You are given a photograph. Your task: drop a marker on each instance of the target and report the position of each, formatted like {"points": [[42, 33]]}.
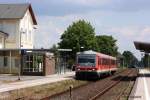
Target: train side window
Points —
{"points": [[99, 61], [104, 61], [113, 62], [109, 61]]}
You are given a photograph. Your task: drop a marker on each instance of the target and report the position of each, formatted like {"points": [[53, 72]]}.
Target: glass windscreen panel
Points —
{"points": [[86, 60]]}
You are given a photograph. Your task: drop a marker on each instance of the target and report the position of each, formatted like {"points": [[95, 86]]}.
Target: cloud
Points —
{"points": [[126, 20], [88, 2], [51, 28], [47, 34], [138, 33], [127, 35], [66, 7]]}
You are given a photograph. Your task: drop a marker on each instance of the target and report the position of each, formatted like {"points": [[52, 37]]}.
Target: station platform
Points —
{"points": [[141, 89], [29, 81]]}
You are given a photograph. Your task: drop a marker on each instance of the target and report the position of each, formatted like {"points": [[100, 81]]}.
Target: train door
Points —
{"points": [[99, 63], [103, 64], [110, 64]]}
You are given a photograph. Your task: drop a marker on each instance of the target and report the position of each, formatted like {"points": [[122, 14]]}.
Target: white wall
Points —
{"points": [[10, 27], [26, 26], [17, 26], [2, 39], [1, 43]]}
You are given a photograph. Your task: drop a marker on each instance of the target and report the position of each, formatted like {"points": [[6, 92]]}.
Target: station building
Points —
{"points": [[144, 48], [17, 52]]}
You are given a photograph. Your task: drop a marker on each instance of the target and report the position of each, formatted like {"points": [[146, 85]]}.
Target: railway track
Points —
{"points": [[114, 84], [125, 90], [94, 90]]}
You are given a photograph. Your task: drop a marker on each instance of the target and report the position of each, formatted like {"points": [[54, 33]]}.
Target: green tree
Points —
{"points": [[145, 60], [79, 34], [54, 50], [129, 59], [107, 45]]}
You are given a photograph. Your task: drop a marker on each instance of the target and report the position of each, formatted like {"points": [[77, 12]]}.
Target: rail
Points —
{"points": [[124, 90], [61, 93], [108, 88]]}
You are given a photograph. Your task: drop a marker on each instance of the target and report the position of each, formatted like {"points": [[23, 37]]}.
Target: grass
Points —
{"points": [[41, 91], [9, 81]]}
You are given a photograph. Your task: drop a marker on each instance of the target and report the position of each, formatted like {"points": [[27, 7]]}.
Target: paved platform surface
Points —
{"points": [[141, 89], [29, 81]]}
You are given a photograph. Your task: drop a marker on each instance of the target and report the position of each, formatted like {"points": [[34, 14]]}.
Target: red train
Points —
{"points": [[92, 64]]}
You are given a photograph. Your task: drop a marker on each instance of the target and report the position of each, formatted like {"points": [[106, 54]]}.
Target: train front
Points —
{"points": [[86, 66]]}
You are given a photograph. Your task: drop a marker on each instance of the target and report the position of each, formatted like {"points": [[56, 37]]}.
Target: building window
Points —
{"points": [[33, 63], [25, 35], [30, 36], [5, 61], [0, 26], [17, 62], [1, 42]]}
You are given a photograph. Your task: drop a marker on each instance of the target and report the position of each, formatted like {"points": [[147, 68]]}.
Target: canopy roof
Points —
{"points": [[142, 46], [16, 11], [4, 33]]}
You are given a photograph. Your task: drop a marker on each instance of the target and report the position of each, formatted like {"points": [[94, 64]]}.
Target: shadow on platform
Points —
{"points": [[92, 78], [125, 78], [144, 75]]}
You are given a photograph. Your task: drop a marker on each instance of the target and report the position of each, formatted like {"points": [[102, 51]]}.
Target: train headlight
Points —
{"points": [[78, 69], [93, 69]]}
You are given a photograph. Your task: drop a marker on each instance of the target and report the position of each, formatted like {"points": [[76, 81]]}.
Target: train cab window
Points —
{"points": [[86, 61]]}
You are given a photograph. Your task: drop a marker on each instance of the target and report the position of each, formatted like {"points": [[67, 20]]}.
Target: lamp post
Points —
{"points": [[148, 60], [19, 69], [81, 48], [20, 53]]}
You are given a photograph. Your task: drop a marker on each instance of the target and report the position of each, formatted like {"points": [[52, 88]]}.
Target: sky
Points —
{"points": [[125, 20]]}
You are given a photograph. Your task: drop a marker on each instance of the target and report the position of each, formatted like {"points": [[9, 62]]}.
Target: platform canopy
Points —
{"points": [[142, 46]]}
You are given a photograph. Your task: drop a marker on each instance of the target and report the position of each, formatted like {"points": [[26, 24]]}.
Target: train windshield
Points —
{"points": [[86, 60]]}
